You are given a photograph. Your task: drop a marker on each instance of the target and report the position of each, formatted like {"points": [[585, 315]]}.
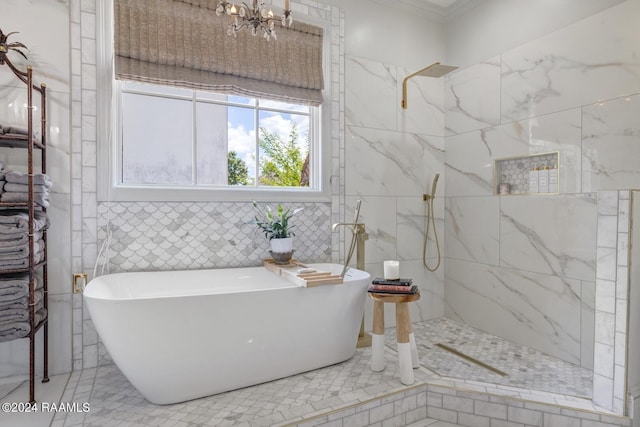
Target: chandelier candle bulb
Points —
{"points": [[286, 4], [391, 270]]}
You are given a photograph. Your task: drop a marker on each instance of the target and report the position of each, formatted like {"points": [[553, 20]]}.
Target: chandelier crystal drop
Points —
{"points": [[256, 17]]}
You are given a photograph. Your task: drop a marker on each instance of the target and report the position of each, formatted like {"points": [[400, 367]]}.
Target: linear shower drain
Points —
{"points": [[471, 359]]}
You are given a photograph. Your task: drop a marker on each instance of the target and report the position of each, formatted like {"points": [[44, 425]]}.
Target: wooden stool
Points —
{"points": [[407, 350]]}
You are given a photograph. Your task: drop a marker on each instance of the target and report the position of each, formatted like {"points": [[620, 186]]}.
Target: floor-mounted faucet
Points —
{"points": [[358, 237]]}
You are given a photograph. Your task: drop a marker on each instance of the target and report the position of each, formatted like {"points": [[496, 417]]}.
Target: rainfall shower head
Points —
{"points": [[434, 70]]}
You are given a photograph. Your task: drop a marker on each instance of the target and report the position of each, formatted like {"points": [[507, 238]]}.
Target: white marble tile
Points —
{"points": [[470, 157], [385, 163], [472, 229], [605, 296], [603, 391], [587, 323], [603, 360], [611, 143], [620, 348], [412, 216], [607, 202], [607, 231], [48, 55], [536, 310], [432, 288], [605, 328], [370, 94], [49, 392], [59, 243], [469, 165], [606, 264], [622, 282], [551, 235], [623, 250], [60, 341], [472, 97], [593, 59], [623, 215], [425, 104], [379, 216]]}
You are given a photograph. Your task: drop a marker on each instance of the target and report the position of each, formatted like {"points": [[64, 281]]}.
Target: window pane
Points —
{"points": [[156, 140], [266, 103], [211, 96], [242, 142], [211, 147], [284, 149]]}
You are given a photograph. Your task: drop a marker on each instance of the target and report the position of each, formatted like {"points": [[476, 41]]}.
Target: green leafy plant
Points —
{"points": [[275, 224]]}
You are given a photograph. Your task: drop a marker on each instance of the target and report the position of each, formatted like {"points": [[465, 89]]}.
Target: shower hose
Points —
{"points": [[430, 222]]}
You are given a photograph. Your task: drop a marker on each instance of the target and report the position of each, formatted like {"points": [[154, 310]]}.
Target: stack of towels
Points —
{"points": [[14, 306], [14, 238], [10, 131], [16, 188]]}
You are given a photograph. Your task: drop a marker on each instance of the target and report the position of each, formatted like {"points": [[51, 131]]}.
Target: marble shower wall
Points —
{"points": [[526, 267], [393, 155]]}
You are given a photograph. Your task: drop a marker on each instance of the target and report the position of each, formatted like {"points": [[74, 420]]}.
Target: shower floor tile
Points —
{"points": [[524, 367]]}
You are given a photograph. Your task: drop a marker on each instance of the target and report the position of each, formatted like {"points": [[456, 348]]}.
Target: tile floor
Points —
{"points": [[114, 402], [525, 367]]}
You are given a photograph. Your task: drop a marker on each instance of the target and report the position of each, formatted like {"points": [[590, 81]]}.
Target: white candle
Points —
{"points": [[286, 4], [392, 270]]}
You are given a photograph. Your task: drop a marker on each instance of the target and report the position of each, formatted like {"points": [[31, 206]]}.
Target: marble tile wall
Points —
{"points": [[184, 235], [545, 265], [132, 219], [612, 290], [393, 155]]}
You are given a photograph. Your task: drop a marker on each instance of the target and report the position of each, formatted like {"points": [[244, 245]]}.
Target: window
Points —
{"points": [[165, 137], [186, 138]]}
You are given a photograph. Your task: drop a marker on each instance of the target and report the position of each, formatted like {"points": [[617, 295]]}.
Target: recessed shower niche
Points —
{"points": [[532, 174]]}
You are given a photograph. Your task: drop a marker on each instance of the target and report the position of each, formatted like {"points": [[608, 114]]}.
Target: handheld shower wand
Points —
{"points": [[430, 222]]}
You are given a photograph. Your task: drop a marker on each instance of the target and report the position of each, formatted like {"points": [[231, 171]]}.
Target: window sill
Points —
{"points": [[174, 194]]}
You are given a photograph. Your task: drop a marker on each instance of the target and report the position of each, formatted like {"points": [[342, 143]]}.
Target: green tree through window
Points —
{"points": [[282, 162], [238, 173]]}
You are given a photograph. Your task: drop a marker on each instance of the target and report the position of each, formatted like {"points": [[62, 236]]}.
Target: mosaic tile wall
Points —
{"points": [[178, 235], [516, 171]]}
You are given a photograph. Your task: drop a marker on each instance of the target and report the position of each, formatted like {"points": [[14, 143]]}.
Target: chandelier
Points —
{"points": [[256, 17]]}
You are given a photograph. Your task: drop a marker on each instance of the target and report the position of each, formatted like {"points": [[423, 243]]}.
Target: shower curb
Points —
{"points": [[458, 406]]}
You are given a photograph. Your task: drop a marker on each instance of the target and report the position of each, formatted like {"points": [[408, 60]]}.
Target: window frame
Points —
{"points": [[109, 143]]}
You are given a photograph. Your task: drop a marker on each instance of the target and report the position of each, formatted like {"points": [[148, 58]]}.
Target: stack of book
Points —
{"points": [[398, 286]]}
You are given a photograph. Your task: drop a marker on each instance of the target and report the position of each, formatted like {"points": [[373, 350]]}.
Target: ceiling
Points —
{"points": [[441, 10]]}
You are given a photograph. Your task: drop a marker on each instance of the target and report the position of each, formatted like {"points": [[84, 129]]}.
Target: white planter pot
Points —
{"points": [[282, 250], [282, 245]]}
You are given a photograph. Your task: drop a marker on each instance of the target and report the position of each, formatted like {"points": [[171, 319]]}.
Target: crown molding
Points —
{"points": [[429, 10]]}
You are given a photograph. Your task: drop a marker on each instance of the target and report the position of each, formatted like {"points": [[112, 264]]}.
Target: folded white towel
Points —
{"points": [[40, 199], [14, 221], [23, 178], [12, 187]]}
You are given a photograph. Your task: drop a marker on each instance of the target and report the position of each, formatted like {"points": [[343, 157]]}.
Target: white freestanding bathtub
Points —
{"points": [[181, 335]]}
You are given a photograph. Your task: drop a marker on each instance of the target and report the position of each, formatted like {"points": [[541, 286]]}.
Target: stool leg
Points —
{"points": [[377, 337], [415, 360], [403, 328]]}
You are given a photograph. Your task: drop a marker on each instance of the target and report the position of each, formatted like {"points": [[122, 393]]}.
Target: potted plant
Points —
{"points": [[278, 230]]}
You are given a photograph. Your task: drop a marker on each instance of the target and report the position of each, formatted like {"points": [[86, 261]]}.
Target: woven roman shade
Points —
{"points": [[183, 43]]}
